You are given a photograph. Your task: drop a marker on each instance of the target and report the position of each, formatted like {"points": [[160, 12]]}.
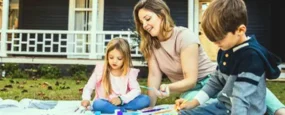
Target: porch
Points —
{"points": [[61, 47]]}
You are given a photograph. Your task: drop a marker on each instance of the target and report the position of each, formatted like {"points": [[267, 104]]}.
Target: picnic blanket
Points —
{"points": [[49, 107], [38, 107]]}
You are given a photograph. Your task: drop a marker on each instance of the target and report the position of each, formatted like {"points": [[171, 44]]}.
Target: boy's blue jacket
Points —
{"points": [[239, 82], [270, 60]]}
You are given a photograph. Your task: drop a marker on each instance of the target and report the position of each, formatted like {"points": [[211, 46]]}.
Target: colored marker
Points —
{"points": [[145, 87], [119, 113], [151, 110], [97, 112]]}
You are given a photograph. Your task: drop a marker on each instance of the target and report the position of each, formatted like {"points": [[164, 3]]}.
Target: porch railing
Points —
{"points": [[73, 44]]}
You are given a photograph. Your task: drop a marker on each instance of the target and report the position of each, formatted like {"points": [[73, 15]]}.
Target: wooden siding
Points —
{"points": [[277, 26], [266, 21], [259, 21], [179, 11], [43, 14], [118, 14]]}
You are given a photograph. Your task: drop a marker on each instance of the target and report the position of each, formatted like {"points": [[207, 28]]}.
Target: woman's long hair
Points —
{"points": [[160, 8]]}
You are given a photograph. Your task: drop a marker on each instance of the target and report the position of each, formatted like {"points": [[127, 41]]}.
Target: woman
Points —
{"points": [[176, 52]]}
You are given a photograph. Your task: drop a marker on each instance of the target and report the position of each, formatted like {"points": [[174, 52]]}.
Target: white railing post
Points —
{"points": [[5, 13], [196, 17], [71, 22], [93, 53], [193, 16]]}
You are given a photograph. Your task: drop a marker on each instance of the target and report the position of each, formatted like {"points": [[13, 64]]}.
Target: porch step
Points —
{"points": [[55, 60], [282, 67], [282, 75]]}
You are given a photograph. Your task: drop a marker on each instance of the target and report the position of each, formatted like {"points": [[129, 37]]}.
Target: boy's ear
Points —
{"points": [[241, 29]]}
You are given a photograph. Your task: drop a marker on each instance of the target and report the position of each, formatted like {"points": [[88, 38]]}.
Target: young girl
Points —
{"points": [[115, 82]]}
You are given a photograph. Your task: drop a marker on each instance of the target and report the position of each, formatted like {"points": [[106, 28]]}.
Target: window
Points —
{"points": [[13, 14], [83, 12]]}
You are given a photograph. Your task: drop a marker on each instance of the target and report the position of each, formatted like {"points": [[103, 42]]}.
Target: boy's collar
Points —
{"points": [[244, 44]]}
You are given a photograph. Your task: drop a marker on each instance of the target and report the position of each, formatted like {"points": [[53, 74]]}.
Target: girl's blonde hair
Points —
{"points": [[121, 45], [160, 8]]}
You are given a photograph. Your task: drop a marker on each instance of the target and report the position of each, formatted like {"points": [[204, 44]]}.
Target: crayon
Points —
{"points": [[145, 87], [152, 110]]}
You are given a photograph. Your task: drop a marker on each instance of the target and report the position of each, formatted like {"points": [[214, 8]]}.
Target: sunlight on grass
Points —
{"points": [[277, 88], [68, 89]]}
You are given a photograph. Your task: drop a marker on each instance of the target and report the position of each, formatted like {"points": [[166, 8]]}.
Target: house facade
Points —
{"points": [[71, 31], [77, 31]]}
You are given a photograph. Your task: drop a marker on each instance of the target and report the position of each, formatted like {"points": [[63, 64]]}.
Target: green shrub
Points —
{"points": [[78, 72], [19, 74], [13, 70], [49, 71], [10, 68], [80, 76], [32, 72]]}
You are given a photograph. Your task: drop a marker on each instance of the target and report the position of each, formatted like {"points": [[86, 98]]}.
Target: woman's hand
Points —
{"points": [[116, 101], [163, 91], [85, 103]]}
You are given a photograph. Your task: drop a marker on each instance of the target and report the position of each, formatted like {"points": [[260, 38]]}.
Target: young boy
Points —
{"points": [[243, 65]]}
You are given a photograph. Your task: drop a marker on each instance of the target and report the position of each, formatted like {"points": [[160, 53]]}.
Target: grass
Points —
{"points": [[278, 89], [39, 89], [69, 89]]}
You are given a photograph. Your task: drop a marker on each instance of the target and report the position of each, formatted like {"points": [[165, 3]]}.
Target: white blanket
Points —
{"points": [[38, 107], [48, 107]]}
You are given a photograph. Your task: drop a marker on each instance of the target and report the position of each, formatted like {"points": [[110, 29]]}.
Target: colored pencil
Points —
{"points": [[145, 87]]}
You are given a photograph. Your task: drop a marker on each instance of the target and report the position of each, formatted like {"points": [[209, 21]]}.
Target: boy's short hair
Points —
{"points": [[223, 16]]}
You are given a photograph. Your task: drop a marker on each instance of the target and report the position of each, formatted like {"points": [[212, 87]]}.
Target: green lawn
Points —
{"points": [[68, 89]]}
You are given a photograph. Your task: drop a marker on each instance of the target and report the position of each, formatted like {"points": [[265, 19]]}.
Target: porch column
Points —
{"points": [[93, 49], [71, 23], [5, 13], [193, 16]]}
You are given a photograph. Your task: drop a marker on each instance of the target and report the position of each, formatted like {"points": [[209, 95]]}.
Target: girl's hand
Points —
{"points": [[85, 103], [116, 101]]}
